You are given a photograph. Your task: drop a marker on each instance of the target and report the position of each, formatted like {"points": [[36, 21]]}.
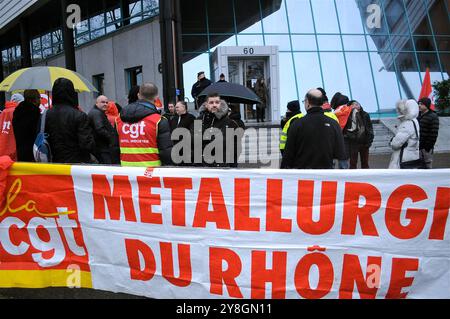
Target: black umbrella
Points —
{"points": [[232, 93]]}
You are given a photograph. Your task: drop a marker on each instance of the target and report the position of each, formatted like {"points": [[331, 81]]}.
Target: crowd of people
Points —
{"points": [[337, 133], [332, 134]]}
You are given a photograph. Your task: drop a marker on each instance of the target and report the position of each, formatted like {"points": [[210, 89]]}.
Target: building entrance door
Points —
{"points": [[247, 72]]}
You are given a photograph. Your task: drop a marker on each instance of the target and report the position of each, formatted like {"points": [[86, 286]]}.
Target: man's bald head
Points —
{"points": [[314, 98], [148, 92], [102, 103]]}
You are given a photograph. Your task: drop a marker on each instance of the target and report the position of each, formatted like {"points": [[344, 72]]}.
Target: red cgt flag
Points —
{"points": [[427, 89]]}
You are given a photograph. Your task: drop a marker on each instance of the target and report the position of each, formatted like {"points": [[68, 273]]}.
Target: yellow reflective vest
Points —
{"points": [[284, 133]]}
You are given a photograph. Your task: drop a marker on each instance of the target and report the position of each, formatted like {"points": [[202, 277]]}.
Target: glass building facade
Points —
{"points": [[374, 51]]}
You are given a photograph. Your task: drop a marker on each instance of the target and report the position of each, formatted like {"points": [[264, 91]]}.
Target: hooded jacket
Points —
{"points": [[137, 112], [220, 121], [105, 135], [26, 127], [7, 139], [70, 135], [408, 111]]}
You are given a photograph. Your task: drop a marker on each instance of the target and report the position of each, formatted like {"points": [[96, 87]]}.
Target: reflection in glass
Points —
{"points": [[334, 73], [300, 18], [308, 72], [288, 90], [354, 43], [325, 16], [329, 42], [386, 83], [282, 41], [361, 80], [304, 43]]}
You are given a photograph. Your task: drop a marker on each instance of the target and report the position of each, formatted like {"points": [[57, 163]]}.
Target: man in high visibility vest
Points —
{"points": [[284, 133], [143, 134]]}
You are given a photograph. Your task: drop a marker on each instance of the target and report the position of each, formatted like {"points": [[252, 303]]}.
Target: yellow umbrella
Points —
{"points": [[42, 78]]}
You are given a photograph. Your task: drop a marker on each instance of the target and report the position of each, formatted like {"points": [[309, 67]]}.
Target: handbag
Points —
{"points": [[415, 164]]}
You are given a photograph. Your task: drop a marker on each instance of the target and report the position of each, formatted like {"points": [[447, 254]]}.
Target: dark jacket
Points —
{"points": [[169, 116], [367, 137], [198, 88], [70, 135], [221, 121], [429, 129], [26, 127], [138, 111], [314, 141], [183, 121], [106, 137]]}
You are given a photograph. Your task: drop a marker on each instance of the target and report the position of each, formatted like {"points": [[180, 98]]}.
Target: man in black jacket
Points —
{"points": [[25, 124], [429, 130], [70, 135], [201, 84], [315, 140], [219, 134], [105, 135]]}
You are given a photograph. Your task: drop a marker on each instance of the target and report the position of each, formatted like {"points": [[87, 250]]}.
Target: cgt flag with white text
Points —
{"points": [[194, 233]]}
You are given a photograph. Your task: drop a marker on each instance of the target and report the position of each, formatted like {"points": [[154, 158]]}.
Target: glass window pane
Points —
{"points": [[150, 7], [379, 43], [424, 43], [282, 41], [325, 16], [97, 33], [190, 70], [308, 72], [443, 43], [396, 17], [401, 43], [301, 8], [418, 18], [445, 61], [57, 36], [386, 83], [439, 17], [329, 43], [83, 26], [250, 40], [135, 8], [349, 17], [47, 52], [354, 43], [304, 43], [46, 41], [276, 22], [288, 91], [97, 22], [223, 22], [428, 60], [335, 76], [362, 90], [113, 15]]}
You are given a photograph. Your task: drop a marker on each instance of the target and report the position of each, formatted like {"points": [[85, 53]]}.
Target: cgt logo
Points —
{"points": [[6, 127], [134, 130]]}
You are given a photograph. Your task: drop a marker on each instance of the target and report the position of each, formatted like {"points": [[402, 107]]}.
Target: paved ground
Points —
{"points": [[376, 162]]}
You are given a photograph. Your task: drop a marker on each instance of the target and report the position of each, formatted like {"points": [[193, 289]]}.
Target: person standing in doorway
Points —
{"points": [[201, 84], [262, 92]]}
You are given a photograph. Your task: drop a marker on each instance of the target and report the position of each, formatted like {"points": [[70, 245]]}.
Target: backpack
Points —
{"points": [[41, 148], [359, 133]]}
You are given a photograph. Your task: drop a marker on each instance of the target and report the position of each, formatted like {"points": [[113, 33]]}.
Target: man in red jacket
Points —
{"points": [[7, 139]]}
